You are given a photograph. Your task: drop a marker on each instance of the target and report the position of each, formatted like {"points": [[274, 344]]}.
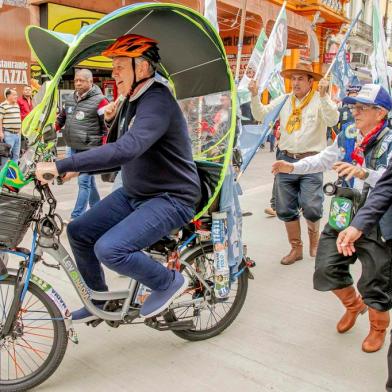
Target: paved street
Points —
{"points": [[284, 340]]}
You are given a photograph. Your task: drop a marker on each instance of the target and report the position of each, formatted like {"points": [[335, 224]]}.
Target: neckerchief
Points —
{"points": [[358, 154], [295, 120]]}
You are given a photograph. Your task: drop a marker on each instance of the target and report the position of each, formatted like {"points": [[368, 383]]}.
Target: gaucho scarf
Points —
{"points": [[295, 120]]}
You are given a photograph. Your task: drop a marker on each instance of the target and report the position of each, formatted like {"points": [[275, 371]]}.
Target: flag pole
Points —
{"points": [[240, 41], [343, 43]]}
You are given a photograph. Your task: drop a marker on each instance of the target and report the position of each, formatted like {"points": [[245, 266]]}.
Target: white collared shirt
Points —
{"points": [[326, 159], [319, 114]]}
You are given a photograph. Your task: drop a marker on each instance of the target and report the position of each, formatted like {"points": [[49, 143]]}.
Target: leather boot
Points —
{"points": [[314, 234], [379, 322], [293, 229], [354, 307]]}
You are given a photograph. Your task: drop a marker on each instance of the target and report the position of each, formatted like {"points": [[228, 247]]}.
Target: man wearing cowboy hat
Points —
{"points": [[304, 119]]}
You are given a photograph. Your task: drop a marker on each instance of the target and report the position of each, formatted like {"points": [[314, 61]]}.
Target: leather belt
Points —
{"points": [[299, 155]]}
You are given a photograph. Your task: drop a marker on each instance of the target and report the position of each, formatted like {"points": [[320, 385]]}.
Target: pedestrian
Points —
{"points": [[84, 128], [10, 124], [25, 102], [271, 210], [272, 136], [366, 164], [304, 119], [222, 116], [376, 211], [346, 118]]}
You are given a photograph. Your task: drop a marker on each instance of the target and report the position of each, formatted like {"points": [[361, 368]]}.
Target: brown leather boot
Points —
{"points": [[379, 322], [354, 307], [293, 229], [314, 234]]}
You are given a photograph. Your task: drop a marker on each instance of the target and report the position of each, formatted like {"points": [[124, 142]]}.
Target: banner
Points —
{"points": [[253, 136], [342, 74], [267, 61], [210, 12], [275, 86], [378, 59]]}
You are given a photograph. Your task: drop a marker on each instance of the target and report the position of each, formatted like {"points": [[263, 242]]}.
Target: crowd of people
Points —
{"points": [[360, 154]]}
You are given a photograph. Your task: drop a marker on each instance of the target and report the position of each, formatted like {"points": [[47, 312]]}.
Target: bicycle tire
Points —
{"points": [[228, 319], [57, 351]]}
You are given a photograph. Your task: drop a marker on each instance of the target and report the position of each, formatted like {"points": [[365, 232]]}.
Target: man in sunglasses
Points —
{"points": [[360, 158]]}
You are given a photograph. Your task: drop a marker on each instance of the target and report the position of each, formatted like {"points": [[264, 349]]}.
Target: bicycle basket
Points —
{"points": [[16, 214]]}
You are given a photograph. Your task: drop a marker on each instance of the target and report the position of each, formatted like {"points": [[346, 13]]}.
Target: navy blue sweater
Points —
{"points": [[155, 152]]}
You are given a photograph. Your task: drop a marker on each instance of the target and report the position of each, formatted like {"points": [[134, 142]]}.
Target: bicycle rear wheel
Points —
{"points": [[37, 343], [212, 317]]}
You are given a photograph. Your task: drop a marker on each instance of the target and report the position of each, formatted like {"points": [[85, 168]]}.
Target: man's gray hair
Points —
{"points": [[86, 73], [151, 68]]}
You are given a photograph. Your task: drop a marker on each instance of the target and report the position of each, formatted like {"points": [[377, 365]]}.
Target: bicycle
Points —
{"points": [[36, 324]]}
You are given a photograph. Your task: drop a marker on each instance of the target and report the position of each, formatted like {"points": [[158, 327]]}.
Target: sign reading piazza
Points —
{"points": [[13, 72]]}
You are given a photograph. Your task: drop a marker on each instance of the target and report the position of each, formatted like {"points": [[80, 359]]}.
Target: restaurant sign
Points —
{"points": [[13, 72]]}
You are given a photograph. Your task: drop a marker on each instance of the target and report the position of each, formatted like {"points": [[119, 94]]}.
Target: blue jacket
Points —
{"points": [[153, 149]]}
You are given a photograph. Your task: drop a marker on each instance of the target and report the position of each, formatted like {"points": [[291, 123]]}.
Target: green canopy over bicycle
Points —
{"points": [[193, 60]]}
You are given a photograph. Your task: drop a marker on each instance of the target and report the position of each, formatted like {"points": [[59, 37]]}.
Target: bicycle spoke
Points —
{"points": [[29, 346]]}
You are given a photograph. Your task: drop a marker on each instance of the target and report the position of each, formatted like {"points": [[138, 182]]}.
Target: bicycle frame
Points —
{"points": [[53, 247]]}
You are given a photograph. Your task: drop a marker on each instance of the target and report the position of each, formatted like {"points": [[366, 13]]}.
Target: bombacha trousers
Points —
{"points": [[332, 270]]}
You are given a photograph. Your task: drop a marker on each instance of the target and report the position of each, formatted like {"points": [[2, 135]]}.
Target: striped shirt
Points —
{"points": [[10, 115]]}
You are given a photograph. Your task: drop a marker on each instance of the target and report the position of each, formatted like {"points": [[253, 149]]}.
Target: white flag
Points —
{"points": [[210, 13], [378, 58], [267, 61]]}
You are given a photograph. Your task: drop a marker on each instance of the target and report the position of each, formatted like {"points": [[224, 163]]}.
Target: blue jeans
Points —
{"points": [[295, 191], [13, 139], [115, 231], [272, 141], [87, 194]]}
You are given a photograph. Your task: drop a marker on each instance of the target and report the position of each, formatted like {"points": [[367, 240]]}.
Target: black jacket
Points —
{"points": [[83, 120], [377, 203]]}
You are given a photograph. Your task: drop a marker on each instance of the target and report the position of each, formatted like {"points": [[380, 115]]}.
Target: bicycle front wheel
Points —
{"points": [[212, 317], [36, 345]]}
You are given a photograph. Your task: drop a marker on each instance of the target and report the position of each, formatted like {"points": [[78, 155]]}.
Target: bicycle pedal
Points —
{"points": [[94, 323]]}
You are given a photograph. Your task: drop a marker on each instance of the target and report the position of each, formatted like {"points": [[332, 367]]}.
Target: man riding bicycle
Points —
{"points": [[149, 140]]}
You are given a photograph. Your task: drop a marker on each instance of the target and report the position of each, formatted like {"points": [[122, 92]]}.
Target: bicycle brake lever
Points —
{"points": [[60, 180]]}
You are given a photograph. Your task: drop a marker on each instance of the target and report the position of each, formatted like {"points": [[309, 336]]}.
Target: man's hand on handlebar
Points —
{"points": [[47, 171], [68, 176]]}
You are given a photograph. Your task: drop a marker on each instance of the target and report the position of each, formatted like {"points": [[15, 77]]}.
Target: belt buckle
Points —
{"points": [[295, 156]]}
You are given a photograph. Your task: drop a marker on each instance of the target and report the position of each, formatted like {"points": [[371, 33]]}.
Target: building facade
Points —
{"points": [[310, 23]]}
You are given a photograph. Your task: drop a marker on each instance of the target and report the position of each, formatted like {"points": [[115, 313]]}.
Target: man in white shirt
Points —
{"points": [[365, 163], [304, 119]]}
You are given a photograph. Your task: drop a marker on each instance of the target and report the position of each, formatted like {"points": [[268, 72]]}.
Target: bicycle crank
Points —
{"points": [[169, 326]]}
